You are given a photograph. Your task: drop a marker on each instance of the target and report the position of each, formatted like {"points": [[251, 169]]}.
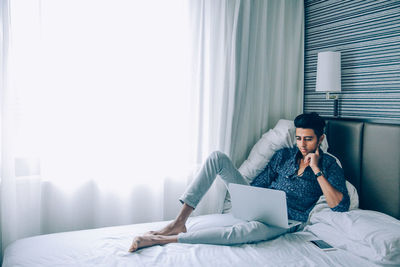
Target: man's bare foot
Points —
{"points": [[151, 240], [140, 242], [173, 228]]}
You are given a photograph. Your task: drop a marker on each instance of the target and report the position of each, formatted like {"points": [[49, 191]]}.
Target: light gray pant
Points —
{"points": [[238, 232]]}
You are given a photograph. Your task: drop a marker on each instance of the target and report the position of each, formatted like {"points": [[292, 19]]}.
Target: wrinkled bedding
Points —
{"points": [[108, 247]]}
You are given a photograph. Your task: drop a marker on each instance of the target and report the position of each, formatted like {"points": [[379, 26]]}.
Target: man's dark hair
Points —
{"points": [[311, 121]]}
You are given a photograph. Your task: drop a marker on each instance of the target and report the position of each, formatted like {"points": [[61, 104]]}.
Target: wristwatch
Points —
{"points": [[318, 174]]}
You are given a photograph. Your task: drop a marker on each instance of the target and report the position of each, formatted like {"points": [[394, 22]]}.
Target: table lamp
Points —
{"points": [[329, 77]]}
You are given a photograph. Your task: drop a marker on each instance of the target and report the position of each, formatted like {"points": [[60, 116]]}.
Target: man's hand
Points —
{"points": [[312, 160]]}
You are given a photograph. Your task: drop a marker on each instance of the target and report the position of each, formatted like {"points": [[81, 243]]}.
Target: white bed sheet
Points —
{"points": [[108, 247]]}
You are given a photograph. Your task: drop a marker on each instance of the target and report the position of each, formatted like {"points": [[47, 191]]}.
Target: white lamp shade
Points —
{"points": [[328, 72]]}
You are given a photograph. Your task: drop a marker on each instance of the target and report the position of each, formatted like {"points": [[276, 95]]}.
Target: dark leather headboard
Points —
{"points": [[370, 155]]}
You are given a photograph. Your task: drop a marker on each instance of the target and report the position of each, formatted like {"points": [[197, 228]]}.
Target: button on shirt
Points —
{"points": [[302, 192]]}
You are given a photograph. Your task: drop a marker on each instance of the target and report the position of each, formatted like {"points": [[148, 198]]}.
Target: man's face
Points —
{"points": [[307, 141]]}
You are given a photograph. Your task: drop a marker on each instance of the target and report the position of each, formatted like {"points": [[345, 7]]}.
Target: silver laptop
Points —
{"points": [[265, 205]]}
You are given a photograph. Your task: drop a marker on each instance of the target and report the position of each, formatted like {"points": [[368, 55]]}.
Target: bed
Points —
{"points": [[369, 236]]}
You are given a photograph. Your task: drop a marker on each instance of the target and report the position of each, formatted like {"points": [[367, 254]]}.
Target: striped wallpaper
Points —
{"points": [[367, 33]]}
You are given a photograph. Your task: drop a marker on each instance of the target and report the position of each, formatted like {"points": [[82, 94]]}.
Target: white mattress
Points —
{"points": [[108, 247]]}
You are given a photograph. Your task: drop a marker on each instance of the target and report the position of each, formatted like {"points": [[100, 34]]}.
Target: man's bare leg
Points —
{"points": [[151, 240], [176, 226]]}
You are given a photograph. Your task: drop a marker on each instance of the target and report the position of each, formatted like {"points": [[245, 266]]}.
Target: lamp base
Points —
{"points": [[335, 98]]}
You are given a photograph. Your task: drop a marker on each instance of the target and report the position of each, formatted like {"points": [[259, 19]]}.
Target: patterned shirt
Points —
{"points": [[302, 192]]}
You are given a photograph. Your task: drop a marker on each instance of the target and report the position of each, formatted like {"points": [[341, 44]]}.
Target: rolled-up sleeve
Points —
{"points": [[335, 176]]}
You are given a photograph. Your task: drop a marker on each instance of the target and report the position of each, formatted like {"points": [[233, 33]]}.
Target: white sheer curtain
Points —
{"points": [[214, 26], [96, 113]]}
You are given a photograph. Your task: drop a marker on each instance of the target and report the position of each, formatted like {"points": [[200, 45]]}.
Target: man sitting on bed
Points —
{"points": [[303, 172]]}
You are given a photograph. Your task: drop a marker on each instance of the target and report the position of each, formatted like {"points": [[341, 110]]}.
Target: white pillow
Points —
{"points": [[322, 205], [369, 234]]}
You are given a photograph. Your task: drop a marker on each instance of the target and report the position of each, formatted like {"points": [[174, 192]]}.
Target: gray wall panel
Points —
{"points": [[367, 33]]}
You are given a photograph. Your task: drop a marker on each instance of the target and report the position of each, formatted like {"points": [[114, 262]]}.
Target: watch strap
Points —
{"points": [[318, 174]]}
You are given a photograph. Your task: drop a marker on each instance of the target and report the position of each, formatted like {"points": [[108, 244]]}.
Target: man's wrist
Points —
{"points": [[316, 169], [318, 174]]}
